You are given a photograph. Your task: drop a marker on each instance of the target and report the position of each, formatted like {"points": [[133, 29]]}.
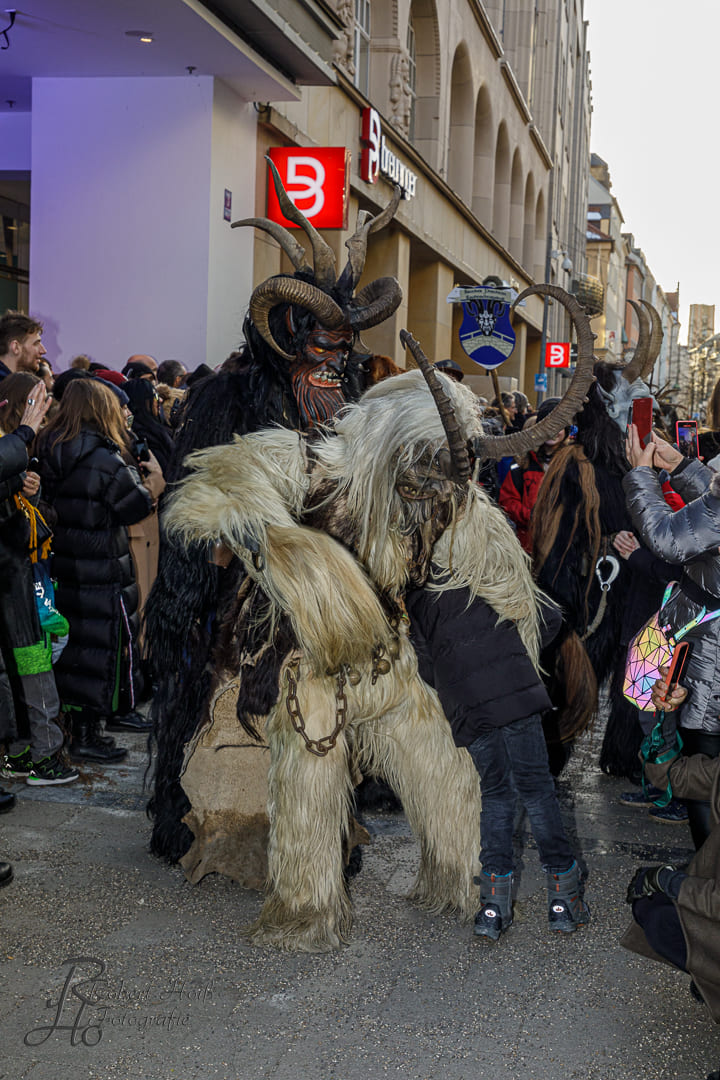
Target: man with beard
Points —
{"points": [[296, 369], [21, 347]]}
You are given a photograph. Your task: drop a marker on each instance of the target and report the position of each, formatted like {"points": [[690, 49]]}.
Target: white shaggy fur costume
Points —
{"points": [[253, 495]]}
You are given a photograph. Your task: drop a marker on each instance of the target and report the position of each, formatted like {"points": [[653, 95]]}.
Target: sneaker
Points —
{"points": [[672, 814], [17, 764], [641, 798], [51, 770]]}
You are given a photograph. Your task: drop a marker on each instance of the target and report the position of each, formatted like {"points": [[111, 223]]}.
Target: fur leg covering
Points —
{"points": [[412, 747], [307, 908]]}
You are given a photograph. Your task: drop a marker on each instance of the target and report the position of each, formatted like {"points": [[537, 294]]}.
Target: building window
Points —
{"points": [[361, 52], [412, 76]]}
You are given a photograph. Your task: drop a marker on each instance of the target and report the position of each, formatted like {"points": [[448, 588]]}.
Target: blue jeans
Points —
{"points": [[512, 761]]}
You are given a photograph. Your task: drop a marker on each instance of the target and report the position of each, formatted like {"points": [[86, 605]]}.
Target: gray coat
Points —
{"points": [[690, 536]]}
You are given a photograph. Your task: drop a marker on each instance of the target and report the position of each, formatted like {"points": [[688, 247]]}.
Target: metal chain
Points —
{"points": [[323, 746]]}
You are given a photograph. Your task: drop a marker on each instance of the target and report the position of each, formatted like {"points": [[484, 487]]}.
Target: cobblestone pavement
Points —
{"points": [[411, 996]]}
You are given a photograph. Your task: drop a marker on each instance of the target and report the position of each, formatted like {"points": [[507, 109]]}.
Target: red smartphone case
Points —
{"points": [[642, 417]]}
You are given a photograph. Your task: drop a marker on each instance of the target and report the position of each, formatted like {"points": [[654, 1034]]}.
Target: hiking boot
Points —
{"points": [[672, 814], [51, 770], [15, 765], [6, 873], [641, 798], [131, 721], [566, 908], [87, 744], [495, 915]]}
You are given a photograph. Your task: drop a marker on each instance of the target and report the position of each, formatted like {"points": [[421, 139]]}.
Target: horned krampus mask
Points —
{"points": [[311, 319], [620, 386], [430, 478]]}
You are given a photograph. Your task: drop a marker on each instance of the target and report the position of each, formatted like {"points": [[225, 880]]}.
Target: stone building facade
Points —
{"points": [[488, 106]]}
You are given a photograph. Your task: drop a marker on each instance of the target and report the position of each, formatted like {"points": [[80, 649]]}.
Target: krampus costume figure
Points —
{"points": [[331, 527], [580, 508], [297, 369]]}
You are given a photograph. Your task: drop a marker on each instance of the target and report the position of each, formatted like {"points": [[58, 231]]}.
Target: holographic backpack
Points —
{"points": [[652, 647]]}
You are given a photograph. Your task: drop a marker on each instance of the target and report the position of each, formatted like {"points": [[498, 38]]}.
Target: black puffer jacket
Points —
{"points": [[96, 496], [476, 662]]}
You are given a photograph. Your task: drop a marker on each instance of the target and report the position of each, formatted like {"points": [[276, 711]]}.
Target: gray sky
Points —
{"points": [[655, 71]]}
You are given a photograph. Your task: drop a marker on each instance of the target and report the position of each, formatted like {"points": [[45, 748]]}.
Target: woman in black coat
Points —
{"points": [[89, 478], [147, 425]]}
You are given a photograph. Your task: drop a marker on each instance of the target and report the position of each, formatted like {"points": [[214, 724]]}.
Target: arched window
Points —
{"points": [[412, 75], [517, 208], [540, 230], [484, 164], [461, 143], [501, 187], [426, 113], [528, 252], [361, 46]]}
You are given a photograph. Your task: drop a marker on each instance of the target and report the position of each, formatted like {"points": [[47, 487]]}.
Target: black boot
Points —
{"points": [[87, 744], [129, 721], [566, 908], [495, 915], [6, 873]]}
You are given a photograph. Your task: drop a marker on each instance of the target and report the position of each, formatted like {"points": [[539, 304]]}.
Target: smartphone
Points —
{"points": [[641, 415], [687, 438], [677, 664]]}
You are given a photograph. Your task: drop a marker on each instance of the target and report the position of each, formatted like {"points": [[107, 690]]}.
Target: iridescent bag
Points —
{"points": [[652, 647]]}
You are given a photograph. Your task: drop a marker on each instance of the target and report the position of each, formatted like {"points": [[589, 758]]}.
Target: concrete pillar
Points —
{"points": [[389, 256], [430, 317], [130, 251]]}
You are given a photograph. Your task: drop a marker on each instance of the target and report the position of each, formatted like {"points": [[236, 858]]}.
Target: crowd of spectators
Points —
{"points": [[83, 458], [82, 462]]}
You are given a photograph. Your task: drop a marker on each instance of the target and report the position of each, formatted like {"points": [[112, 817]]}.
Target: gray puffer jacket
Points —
{"points": [[690, 536]]}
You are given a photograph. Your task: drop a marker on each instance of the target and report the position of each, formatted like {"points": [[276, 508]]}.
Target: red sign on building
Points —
{"points": [[317, 179], [557, 354]]}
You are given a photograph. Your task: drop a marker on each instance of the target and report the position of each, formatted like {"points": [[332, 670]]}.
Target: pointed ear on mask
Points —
{"points": [[290, 322]]}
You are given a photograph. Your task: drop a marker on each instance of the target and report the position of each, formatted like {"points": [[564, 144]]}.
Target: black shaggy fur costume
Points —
{"points": [[192, 597], [580, 508]]}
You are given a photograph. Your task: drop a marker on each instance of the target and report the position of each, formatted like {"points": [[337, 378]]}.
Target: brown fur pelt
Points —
{"points": [[548, 510], [575, 674], [379, 367]]}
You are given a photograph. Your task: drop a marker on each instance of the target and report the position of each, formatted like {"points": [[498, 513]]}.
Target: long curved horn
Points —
{"points": [[656, 338], [289, 290], [634, 369], [375, 303], [323, 254], [357, 243], [292, 247], [494, 447], [456, 443]]}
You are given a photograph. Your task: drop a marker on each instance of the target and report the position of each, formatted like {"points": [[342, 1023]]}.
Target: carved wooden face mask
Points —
{"points": [[429, 492], [318, 375]]}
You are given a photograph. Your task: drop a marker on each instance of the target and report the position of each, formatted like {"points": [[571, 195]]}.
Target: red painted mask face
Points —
{"points": [[318, 373]]}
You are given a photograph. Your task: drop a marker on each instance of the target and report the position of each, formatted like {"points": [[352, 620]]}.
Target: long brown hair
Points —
{"points": [[87, 403], [15, 388]]}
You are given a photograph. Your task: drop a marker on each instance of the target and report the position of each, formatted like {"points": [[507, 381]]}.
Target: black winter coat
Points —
{"points": [[96, 496], [478, 664]]}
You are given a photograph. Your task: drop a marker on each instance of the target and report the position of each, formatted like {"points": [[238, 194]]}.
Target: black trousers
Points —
{"points": [[660, 923]]}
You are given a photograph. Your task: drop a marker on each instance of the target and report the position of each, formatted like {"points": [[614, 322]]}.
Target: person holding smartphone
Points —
{"points": [[689, 536]]}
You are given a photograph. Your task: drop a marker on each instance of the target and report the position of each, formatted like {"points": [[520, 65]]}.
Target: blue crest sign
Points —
{"points": [[486, 333]]}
